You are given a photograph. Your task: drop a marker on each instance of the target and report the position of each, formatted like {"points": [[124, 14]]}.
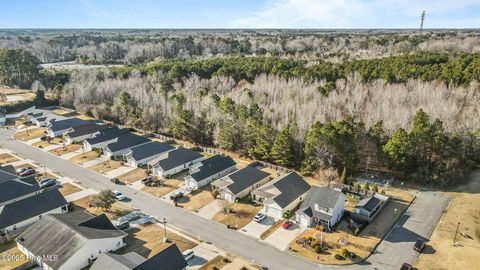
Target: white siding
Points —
{"points": [[32, 220]]}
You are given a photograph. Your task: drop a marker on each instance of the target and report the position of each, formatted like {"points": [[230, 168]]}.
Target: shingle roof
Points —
{"points": [[244, 178], [149, 149], [368, 203], [66, 124], [85, 130], [170, 259], [177, 158], [32, 206], [7, 173], [211, 166], [126, 141], [291, 186], [62, 234], [117, 262], [14, 187], [324, 197], [108, 134]]}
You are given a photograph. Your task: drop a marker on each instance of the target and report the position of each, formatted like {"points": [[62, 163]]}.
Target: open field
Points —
{"points": [[117, 210], [464, 213], [241, 214], [68, 189], [10, 256], [43, 144], [30, 133], [197, 199], [106, 166], [66, 149], [147, 240], [167, 187], [7, 158], [81, 158], [133, 176]]}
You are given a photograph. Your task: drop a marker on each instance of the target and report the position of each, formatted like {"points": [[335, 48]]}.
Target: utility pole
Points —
{"points": [[421, 22], [164, 222]]}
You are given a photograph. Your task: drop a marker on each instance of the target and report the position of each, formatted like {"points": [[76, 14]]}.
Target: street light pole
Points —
{"points": [[455, 237], [165, 238]]}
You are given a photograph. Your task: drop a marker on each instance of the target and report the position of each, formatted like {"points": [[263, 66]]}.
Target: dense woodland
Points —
{"points": [[420, 109]]}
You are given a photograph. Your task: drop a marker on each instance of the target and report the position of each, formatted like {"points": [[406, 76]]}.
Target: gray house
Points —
{"points": [[83, 132], [323, 206], [122, 145], [368, 208], [174, 162], [143, 153], [204, 172], [104, 137], [58, 127]]}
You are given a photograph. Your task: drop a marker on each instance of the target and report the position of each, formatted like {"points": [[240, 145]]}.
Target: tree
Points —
{"points": [[181, 125], [399, 151], [227, 136], [282, 152], [366, 186], [263, 142], [343, 177], [18, 68], [104, 200], [375, 187]]}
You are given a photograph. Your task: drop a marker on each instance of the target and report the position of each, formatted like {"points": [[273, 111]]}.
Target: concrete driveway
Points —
{"points": [[209, 210], [281, 238], [203, 253], [119, 171], [256, 229]]}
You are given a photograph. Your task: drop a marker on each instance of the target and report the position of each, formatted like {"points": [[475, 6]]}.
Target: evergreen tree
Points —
{"points": [[263, 142], [343, 177], [399, 150], [282, 150], [181, 126]]}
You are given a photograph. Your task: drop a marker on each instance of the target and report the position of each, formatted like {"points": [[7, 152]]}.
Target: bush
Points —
{"points": [[366, 186], [314, 244], [318, 249], [215, 193], [286, 215], [343, 252], [237, 200], [375, 187], [356, 231], [307, 238], [382, 192], [226, 260], [339, 257]]}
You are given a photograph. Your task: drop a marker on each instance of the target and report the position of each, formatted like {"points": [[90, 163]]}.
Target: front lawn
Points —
{"points": [[241, 214], [197, 199], [66, 149], [7, 158], [133, 176], [107, 166], [29, 134], [117, 210], [84, 157], [167, 187], [68, 189], [43, 144]]}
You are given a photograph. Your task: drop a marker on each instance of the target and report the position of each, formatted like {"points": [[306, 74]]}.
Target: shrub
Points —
{"points": [[307, 238], [237, 200], [314, 244], [339, 257], [226, 260], [286, 215], [375, 187], [382, 192], [215, 193], [366, 186], [343, 252], [318, 249], [357, 231], [357, 186]]}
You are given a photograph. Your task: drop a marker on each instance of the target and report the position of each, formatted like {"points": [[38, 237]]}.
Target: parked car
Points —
{"points": [[147, 179], [175, 196], [419, 245], [46, 183], [115, 180], [259, 217], [188, 254], [27, 172], [287, 224], [407, 266], [23, 169], [119, 195]]}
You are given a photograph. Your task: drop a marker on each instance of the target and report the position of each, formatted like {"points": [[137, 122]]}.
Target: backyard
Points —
{"points": [[10, 256]]}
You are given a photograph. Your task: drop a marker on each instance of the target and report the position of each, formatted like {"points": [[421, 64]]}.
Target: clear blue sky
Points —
{"points": [[238, 13]]}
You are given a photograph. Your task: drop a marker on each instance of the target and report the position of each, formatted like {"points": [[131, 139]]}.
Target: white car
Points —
{"points": [[119, 195], [188, 254], [259, 217]]}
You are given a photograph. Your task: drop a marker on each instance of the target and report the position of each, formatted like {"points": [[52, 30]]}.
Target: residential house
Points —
{"points": [[367, 208], [58, 127], [322, 206], [204, 172], [282, 194], [83, 132], [141, 154], [240, 183], [69, 241], [175, 161], [3, 116], [168, 259], [104, 137], [23, 202], [45, 120], [123, 144]]}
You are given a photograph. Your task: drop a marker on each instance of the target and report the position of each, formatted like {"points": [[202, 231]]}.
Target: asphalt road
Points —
{"points": [[419, 219]]}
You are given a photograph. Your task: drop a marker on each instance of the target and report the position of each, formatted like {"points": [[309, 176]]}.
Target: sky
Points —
{"points": [[310, 14]]}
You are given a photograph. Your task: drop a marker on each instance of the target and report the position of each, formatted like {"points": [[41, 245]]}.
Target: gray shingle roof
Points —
{"points": [[170, 259], [67, 123], [324, 197], [149, 149], [245, 178], [126, 141], [85, 130], [14, 187], [32, 206], [117, 262], [368, 203], [177, 158], [7, 173], [108, 134], [291, 187], [211, 166], [63, 234]]}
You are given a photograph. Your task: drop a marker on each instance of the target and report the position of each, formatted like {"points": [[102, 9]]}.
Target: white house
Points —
{"points": [[123, 144], [240, 183], [141, 154], [175, 161], [323, 206], [368, 208], [23, 202], [282, 194], [69, 241], [58, 127], [204, 172], [83, 132], [104, 137]]}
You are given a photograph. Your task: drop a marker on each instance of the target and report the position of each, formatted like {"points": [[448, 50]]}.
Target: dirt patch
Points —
{"points": [[197, 199], [62, 112], [216, 263], [107, 166], [10, 256], [115, 212], [133, 176], [147, 240], [84, 157], [66, 149], [241, 214], [42, 175], [26, 165], [167, 187], [68, 189], [43, 144], [7, 158], [271, 230], [29, 134]]}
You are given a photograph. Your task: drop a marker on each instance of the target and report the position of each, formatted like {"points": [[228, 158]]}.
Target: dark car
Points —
{"points": [[407, 266], [175, 196], [46, 183], [27, 172], [115, 180], [147, 179], [419, 245], [21, 170]]}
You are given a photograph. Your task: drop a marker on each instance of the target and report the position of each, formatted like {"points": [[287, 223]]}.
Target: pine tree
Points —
{"points": [[181, 127], [263, 142], [375, 187], [282, 149], [343, 178]]}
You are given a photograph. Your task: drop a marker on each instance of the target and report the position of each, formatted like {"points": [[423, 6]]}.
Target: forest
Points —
{"points": [[419, 109]]}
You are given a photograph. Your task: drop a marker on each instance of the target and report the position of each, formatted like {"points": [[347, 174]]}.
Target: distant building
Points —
{"points": [[104, 137], [143, 153], [56, 128], [80, 133]]}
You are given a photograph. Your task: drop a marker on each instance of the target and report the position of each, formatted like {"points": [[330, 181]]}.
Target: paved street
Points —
{"points": [[419, 220]]}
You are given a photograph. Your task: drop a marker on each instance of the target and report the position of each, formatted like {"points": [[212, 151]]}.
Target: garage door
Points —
{"points": [[303, 220], [273, 212], [227, 196]]}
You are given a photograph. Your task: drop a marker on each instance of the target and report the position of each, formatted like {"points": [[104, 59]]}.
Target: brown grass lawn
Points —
{"points": [[61, 111], [6, 251], [117, 210], [168, 186], [25, 166], [81, 158], [66, 149], [197, 199], [43, 144], [68, 189], [29, 134], [41, 174], [272, 229], [106, 166], [215, 263], [133, 176], [7, 158], [147, 240], [240, 216]]}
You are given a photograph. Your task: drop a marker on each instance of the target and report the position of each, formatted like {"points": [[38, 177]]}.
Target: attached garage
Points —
{"points": [[273, 212]]}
